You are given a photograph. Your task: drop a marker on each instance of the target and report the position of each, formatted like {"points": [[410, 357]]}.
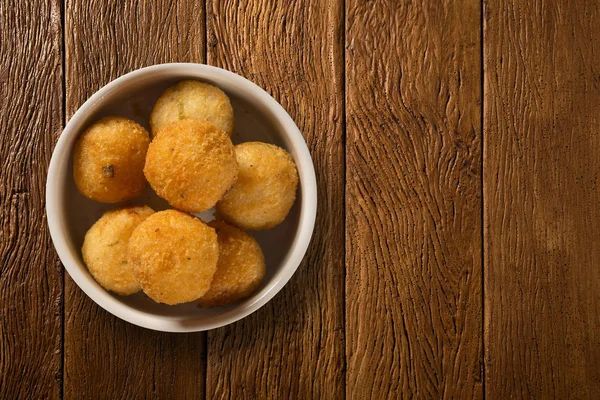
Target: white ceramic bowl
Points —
{"points": [[258, 117]]}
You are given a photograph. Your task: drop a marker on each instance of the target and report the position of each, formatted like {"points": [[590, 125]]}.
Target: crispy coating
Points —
{"points": [[191, 164], [192, 100], [240, 270], [265, 190], [105, 249], [108, 160], [174, 256]]}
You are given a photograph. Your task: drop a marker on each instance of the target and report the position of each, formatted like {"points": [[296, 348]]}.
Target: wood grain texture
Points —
{"points": [[294, 345], [30, 274], [542, 220], [413, 226], [104, 356]]}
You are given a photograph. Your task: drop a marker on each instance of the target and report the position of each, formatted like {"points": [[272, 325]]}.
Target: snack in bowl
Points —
{"points": [[104, 249], [265, 190], [240, 269], [174, 256], [258, 117], [191, 164], [108, 160], [192, 100]]}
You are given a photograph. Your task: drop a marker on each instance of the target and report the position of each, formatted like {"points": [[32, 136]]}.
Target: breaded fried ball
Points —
{"points": [[192, 100], [191, 164], [265, 190], [108, 160], [174, 256], [240, 270], [105, 249]]}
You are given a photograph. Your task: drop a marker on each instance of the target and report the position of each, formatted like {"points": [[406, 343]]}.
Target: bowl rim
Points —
{"points": [[303, 233]]}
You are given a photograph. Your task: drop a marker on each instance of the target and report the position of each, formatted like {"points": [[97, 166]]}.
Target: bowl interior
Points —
{"points": [[134, 100]]}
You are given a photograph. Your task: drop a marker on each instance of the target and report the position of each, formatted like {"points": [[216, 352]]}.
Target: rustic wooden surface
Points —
{"points": [[456, 250], [413, 227], [31, 118], [542, 191]]}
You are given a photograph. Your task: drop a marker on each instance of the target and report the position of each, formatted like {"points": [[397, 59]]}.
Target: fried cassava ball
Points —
{"points": [[265, 189], [191, 164], [192, 100], [108, 160], [173, 256], [240, 270], [105, 249]]}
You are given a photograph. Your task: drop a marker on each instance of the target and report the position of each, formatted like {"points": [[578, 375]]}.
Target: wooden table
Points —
{"points": [[457, 247]]}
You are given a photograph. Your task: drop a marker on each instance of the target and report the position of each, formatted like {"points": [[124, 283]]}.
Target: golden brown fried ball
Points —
{"points": [[108, 160], [240, 270], [265, 190], [192, 100], [174, 256], [191, 164], [105, 249]]}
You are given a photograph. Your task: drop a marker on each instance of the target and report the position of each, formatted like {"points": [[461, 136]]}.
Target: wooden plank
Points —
{"points": [[542, 220], [294, 345], [31, 117], [105, 355], [413, 195]]}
